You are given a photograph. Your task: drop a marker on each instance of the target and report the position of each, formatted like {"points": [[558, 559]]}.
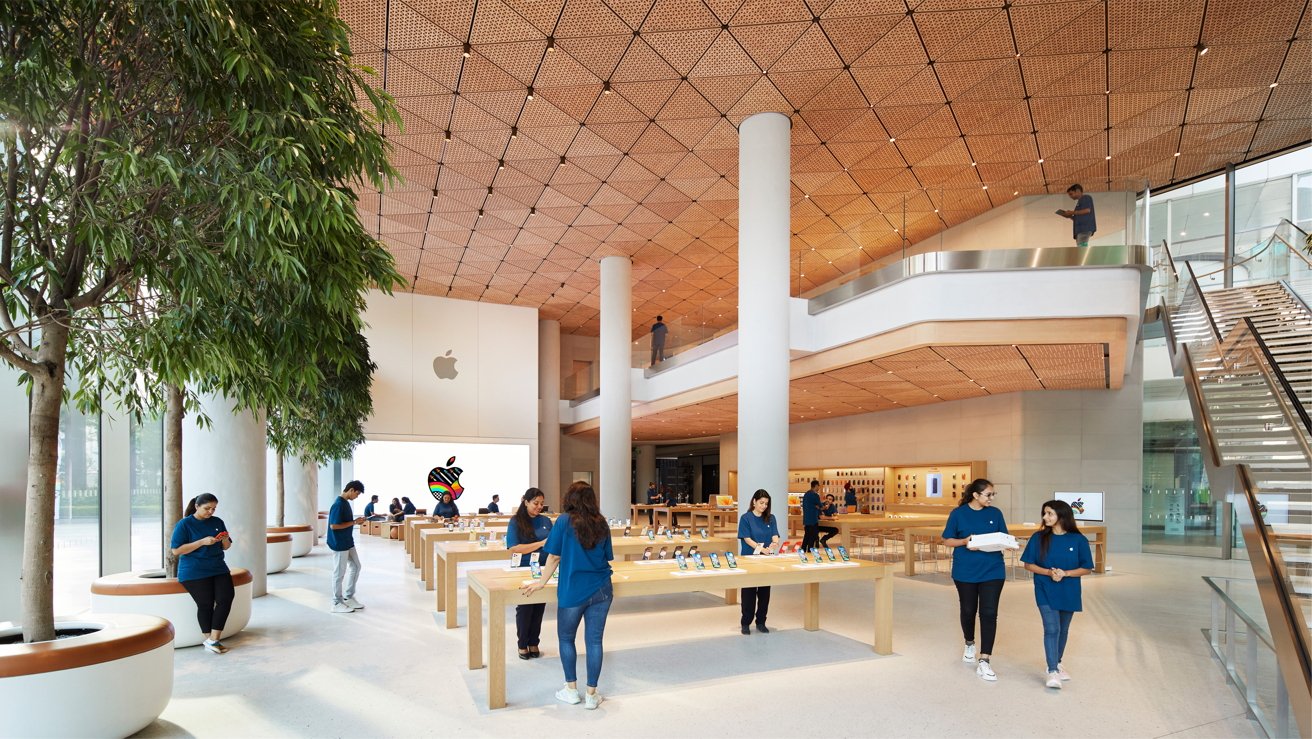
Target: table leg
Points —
{"points": [[426, 562], [475, 630], [496, 655], [731, 596], [884, 614], [909, 553], [811, 606], [450, 564], [1100, 555]]}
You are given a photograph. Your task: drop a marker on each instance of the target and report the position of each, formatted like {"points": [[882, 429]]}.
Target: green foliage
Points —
{"points": [[327, 422]]}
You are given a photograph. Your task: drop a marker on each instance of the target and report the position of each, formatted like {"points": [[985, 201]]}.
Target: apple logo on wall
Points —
{"points": [[445, 366], [445, 480]]}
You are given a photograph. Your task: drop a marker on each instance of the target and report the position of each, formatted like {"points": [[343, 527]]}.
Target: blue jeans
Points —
{"points": [[593, 611], [1056, 627]]}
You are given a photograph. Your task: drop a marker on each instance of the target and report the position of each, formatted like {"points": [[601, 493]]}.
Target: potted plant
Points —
{"points": [[160, 165]]}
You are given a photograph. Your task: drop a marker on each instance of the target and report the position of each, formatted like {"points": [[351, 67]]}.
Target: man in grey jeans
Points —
{"points": [[341, 539], [658, 331]]}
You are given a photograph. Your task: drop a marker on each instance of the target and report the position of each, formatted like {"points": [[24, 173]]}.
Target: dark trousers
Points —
{"points": [[981, 597], [810, 536], [755, 604], [213, 596], [528, 624], [829, 533]]}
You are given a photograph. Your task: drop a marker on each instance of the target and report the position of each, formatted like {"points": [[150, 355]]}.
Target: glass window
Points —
{"points": [[147, 486], [77, 510]]}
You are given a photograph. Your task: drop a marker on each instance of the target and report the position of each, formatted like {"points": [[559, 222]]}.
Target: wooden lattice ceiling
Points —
{"points": [[628, 144]]}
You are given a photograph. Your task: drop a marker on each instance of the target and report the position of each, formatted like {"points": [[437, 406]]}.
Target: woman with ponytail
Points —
{"points": [[1059, 556], [199, 541], [978, 575], [579, 544], [526, 536]]}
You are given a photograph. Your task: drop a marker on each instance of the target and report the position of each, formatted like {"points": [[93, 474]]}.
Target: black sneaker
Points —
{"points": [[761, 628], [747, 630]]}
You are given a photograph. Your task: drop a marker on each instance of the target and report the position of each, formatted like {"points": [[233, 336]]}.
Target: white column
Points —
{"points": [[302, 483], [763, 249], [646, 469], [116, 492], [615, 463], [227, 459], [13, 491], [549, 411]]}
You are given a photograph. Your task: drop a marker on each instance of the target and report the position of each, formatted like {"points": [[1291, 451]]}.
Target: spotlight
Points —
{"points": [[466, 49]]}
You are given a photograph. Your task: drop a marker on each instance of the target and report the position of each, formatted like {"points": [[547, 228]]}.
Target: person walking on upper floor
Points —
{"points": [[1083, 222], [758, 533], [526, 535], [199, 541], [978, 575], [811, 508], [579, 546], [1059, 556], [658, 332], [341, 540]]}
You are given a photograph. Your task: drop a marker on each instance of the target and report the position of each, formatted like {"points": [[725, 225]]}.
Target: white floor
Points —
{"points": [[677, 666]]}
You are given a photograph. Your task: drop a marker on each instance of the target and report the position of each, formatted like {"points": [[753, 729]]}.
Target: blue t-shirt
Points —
{"points": [[205, 561], [541, 528], [969, 565], [582, 571], [1065, 552], [752, 526], [831, 509], [811, 509], [493, 508], [446, 510], [409, 509], [1085, 224], [368, 509], [849, 498], [340, 540]]}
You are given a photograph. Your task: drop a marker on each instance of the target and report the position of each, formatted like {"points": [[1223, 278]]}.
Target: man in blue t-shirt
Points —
{"points": [[811, 507], [494, 506], [1083, 223], [341, 540], [658, 332]]}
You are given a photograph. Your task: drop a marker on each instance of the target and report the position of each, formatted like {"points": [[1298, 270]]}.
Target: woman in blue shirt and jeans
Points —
{"points": [[198, 542], [1058, 556], [579, 544], [978, 575], [526, 536]]}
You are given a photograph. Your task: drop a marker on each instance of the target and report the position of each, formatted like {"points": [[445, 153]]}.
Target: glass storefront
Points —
{"points": [[147, 494], [77, 510]]}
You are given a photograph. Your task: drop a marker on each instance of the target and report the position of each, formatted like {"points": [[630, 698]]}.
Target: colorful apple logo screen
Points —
{"points": [[417, 469]]}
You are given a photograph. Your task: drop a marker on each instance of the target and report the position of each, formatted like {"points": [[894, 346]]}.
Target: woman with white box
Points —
{"points": [[978, 574], [1059, 556]]}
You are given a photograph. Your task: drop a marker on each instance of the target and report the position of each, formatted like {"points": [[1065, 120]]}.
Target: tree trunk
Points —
{"points": [[282, 493], [173, 413], [42, 470]]}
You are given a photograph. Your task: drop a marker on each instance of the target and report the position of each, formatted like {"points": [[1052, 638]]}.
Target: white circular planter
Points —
{"points": [[114, 682], [135, 592], [279, 553], [321, 524], [302, 537]]}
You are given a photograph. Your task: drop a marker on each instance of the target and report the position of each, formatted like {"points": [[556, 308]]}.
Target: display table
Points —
{"points": [[1096, 533], [428, 538], [713, 518], [848, 522], [677, 516], [450, 554], [500, 589], [639, 508]]}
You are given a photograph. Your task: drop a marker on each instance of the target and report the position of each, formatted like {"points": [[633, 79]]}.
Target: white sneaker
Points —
{"points": [[568, 695], [342, 608], [969, 656], [353, 603], [986, 672], [215, 646], [592, 700], [1054, 680], [1061, 672]]}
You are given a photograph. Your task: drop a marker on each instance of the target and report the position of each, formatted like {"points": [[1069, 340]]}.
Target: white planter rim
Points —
{"points": [[140, 583], [120, 635]]}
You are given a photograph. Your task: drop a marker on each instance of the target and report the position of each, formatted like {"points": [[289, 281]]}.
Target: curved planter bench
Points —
{"points": [[321, 525], [119, 679], [134, 592], [279, 552], [302, 537]]}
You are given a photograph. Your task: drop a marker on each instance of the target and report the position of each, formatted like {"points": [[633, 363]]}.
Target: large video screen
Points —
{"points": [[392, 469], [1085, 506]]}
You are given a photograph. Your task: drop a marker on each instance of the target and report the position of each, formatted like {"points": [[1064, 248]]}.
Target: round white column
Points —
{"points": [[763, 308], [302, 483], [646, 469], [615, 452], [549, 411], [227, 459]]}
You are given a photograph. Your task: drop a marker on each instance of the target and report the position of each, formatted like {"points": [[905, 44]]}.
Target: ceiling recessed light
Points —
{"points": [[891, 139], [446, 136], [605, 87], [530, 92], [973, 164], [551, 43], [514, 132], [1205, 214], [480, 212], [1201, 49], [1177, 153], [986, 187], [1109, 157], [501, 164], [562, 160], [1273, 84], [1040, 160], [466, 50]]}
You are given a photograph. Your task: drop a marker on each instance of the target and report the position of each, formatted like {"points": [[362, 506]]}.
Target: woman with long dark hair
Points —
{"points": [[407, 507], [579, 544], [978, 575], [198, 542], [759, 533], [395, 512], [1059, 556], [526, 534]]}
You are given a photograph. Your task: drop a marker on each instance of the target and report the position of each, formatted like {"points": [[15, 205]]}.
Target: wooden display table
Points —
{"points": [[500, 589], [640, 508], [1097, 535], [848, 522], [429, 538], [712, 518], [450, 554], [677, 516]]}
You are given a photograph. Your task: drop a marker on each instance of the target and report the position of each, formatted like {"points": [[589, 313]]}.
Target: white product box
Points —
{"points": [[995, 542]]}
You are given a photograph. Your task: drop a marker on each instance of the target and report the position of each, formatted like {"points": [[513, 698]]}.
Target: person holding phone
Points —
{"points": [[828, 514], [341, 540], [199, 541], [1059, 556], [978, 575], [527, 534], [579, 545], [759, 533]]}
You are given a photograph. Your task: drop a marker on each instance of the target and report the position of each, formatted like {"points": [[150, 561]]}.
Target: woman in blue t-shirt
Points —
{"points": [[407, 507], [446, 508], [1058, 556], [978, 575], [526, 534], [579, 544], [198, 542], [759, 533]]}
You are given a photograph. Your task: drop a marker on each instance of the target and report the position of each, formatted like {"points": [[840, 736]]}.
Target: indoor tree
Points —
{"points": [[153, 155]]}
